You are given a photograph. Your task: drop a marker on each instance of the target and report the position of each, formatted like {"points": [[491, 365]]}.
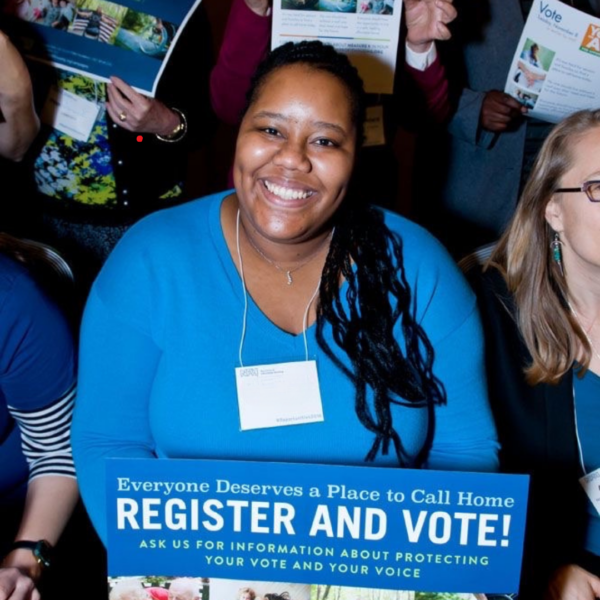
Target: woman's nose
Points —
{"points": [[293, 155]]}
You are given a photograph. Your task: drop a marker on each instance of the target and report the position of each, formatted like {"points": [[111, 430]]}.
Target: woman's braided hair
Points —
{"points": [[369, 257]]}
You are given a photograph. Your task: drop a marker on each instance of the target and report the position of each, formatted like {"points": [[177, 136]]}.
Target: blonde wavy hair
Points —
{"points": [[550, 331]]}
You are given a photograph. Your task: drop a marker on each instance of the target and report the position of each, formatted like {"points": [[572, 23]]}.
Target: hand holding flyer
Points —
{"points": [[556, 68], [135, 112], [499, 110], [100, 38]]}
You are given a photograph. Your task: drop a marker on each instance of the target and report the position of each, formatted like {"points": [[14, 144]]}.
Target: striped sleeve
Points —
{"points": [[46, 436]]}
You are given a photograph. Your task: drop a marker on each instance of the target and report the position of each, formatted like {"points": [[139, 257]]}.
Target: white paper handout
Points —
{"points": [[556, 68], [366, 30]]}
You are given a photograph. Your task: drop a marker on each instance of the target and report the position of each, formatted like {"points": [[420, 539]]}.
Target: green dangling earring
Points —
{"points": [[556, 249]]}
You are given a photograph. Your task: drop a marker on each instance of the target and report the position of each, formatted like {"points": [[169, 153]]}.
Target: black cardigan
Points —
{"points": [[536, 429]]}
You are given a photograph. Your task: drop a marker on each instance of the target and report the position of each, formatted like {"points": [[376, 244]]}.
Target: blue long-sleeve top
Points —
{"points": [[37, 384], [160, 341]]}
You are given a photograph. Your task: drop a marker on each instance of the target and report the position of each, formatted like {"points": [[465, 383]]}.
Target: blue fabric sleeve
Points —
{"points": [[117, 362], [37, 368], [37, 360], [465, 437], [465, 434]]}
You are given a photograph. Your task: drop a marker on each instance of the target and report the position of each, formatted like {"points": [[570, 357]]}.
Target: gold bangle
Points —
{"points": [[179, 132]]}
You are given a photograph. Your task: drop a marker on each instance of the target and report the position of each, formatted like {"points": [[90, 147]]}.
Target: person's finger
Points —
{"points": [[134, 105], [117, 116], [595, 585], [496, 112], [117, 100], [442, 32], [140, 106], [497, 109], [495, 127], [125, 89], [24, 589], [492, 121], [449, 13], [511, 102]]}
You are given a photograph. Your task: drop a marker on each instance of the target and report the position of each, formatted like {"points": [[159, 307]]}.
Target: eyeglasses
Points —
{"points": [[590, 188]]}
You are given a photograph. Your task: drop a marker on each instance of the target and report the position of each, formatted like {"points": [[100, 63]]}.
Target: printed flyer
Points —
{"points": [[97, 38], [366, 30], [313, 531], [556, 68]]}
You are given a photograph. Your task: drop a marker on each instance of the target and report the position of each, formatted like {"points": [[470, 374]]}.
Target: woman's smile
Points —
{"points": [[288, 192], [295, 155]]}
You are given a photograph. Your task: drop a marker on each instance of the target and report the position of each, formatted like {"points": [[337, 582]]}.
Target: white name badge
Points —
{"points": [[374, 134], [70, 114], [279, 394], [591, 485]]}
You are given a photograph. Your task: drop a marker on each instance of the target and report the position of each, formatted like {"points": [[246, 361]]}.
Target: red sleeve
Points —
{"points": [[433, 83], [246, 41]]}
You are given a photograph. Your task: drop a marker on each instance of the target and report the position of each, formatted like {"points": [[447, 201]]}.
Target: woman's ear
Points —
{"points": [[554, 213]]}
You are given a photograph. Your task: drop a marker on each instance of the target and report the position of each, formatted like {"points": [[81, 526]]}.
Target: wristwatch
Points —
{"points": [[42, 550]]}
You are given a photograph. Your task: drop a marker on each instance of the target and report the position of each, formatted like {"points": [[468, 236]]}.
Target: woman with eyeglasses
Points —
{"points": [[540, 299]]}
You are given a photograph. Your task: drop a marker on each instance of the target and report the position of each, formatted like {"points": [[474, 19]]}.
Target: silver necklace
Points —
{"points": [[288, 272], [587, 337]]}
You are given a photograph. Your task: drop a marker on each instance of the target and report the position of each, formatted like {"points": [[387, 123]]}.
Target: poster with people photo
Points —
{"points": [[98, 38]]}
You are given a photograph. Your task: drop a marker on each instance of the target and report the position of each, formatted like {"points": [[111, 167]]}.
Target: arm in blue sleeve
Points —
{"points": [[37, 362], [465, 435], [118, 359]]}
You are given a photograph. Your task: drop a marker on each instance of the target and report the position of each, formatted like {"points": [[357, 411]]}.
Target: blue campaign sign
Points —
{"points": [[131, 39], [319, 524]]}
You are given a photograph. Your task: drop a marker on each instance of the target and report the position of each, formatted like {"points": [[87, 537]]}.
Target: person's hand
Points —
{"points": [[426, 21], [499, 110], [15, 84], [135, 112], [571, 582], [16, 585], [260, 7], [19, 123]]}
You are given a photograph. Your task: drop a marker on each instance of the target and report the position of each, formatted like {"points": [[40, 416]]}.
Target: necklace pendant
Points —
{"points": [[289, 278]]}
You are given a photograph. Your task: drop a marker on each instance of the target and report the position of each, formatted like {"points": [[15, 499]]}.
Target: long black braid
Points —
{"points": [[369, 256]]}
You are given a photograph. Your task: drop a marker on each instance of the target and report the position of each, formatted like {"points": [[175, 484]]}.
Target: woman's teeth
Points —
{"points": [[287, 193]]}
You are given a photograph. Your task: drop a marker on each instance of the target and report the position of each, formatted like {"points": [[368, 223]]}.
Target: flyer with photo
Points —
{"points": [[98, 38], [366, 30], [311, 529], [556, 68]]}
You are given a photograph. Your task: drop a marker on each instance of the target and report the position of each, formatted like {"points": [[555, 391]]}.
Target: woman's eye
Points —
{"points": [[270, 131], [326, 142]]}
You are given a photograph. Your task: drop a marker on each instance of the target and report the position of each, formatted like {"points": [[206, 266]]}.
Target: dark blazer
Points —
{"points": [[470, 175], [536, 429]]}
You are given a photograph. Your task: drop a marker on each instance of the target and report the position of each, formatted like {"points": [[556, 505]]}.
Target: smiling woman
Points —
{"points": [[266, 282]]}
